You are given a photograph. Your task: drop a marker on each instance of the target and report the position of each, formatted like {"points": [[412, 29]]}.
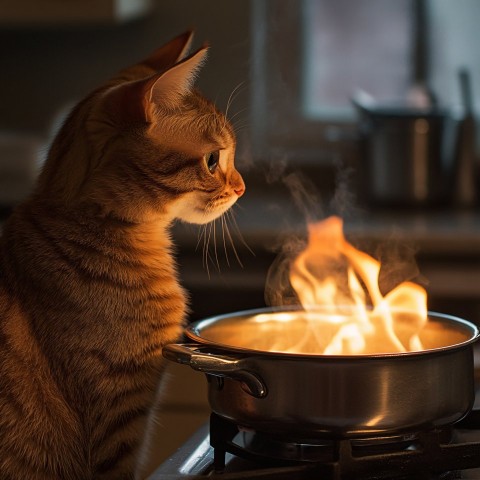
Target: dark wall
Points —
{"points": [[46, 68]]}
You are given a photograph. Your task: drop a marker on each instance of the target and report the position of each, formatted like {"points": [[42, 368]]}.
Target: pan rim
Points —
{"points": [[193, 332]]}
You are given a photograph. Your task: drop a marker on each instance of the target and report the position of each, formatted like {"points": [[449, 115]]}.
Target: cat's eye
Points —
{"points": [[212, 160]]}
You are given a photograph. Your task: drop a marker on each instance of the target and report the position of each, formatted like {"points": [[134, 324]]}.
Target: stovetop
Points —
{"points": [[195, 461], [457, 457]]}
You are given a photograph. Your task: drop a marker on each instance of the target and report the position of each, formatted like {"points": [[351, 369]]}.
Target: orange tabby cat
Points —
{"points": [[88, 287]]}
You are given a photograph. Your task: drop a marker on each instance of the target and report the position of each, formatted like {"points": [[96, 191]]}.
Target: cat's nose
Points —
{"points": [[239, 191], [237, 183]]}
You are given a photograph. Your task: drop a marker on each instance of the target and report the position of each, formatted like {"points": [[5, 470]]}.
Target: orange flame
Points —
{"points": [[332, 273]]}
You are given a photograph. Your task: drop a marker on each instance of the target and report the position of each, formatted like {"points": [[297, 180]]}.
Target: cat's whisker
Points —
{"points": [[206, 250], [234, 92], [233, 245], [209, 258], [238, 232], [236, 114], [201, 231], [241, 127], [239, 206], [241, 124], [204, 246], [215, 244], [224, 240]]}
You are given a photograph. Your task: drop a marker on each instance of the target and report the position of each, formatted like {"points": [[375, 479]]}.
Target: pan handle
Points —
{"points": [[218, 365]]}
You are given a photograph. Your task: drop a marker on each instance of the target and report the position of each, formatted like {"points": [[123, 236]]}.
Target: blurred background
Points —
{"points": [[366, 109]]}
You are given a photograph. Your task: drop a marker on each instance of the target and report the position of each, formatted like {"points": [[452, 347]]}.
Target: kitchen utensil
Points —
{"points": [[409, 153]]}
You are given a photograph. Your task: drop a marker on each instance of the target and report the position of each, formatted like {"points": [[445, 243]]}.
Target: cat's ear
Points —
{"points": [[170, 53], [137, 101], [167, 88]]}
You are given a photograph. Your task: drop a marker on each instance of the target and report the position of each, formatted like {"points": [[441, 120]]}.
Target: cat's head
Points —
{"points": [[147, 145]]}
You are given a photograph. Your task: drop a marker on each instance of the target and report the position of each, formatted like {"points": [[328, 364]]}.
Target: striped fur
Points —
{"points": [[88, 286]]}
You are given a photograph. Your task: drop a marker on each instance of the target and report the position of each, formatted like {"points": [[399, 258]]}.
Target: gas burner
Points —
{"points": [[433, 455], [421, 455], [268, 447]]}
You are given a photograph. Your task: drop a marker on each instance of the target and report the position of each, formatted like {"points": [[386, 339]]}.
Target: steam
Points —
{"points": [[398, 263], [307, 200], [344, 203], [303, 192], [278, 289]]}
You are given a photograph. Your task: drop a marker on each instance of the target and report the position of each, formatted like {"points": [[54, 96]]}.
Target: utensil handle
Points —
{"points": [[199, 358]]}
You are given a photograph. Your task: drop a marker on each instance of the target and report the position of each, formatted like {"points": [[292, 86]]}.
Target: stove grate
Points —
{"points": [[425, 455]]}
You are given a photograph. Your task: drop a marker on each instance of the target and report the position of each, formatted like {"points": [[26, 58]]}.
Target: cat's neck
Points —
{"points": [[91, 219], [87, 237]]}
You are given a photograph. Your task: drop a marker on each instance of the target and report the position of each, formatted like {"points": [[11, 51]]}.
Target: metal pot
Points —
{"points": [[332, 396], [410, 155]]}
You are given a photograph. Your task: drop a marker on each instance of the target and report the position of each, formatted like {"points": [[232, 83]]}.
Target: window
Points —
{"points": [[339, 57]]}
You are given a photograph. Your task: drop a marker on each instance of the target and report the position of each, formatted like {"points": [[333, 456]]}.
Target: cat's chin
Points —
{"points": [[192, 212], [199, 217]]}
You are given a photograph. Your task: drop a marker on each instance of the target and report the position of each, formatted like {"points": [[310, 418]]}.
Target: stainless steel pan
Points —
{"points": [[333, 396]]}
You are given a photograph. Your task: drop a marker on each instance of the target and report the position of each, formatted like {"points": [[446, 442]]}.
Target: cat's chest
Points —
{"points": [[126, 316], [139, 291]]}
